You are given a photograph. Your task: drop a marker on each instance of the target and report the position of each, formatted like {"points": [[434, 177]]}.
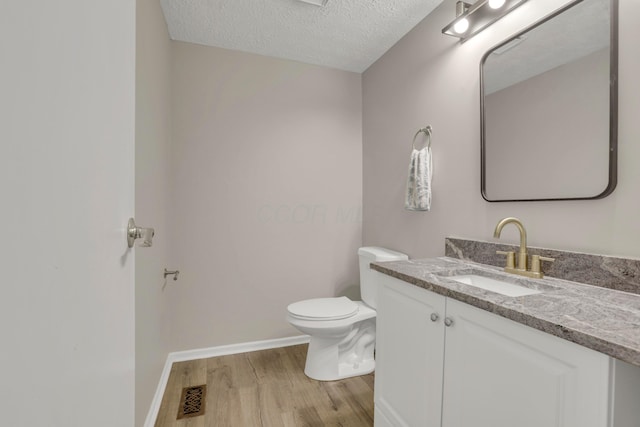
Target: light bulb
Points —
{"points": [[461, 26], [496, 4]]}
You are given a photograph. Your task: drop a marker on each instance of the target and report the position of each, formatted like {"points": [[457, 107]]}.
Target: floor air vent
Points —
{"points": [[192, 401]]}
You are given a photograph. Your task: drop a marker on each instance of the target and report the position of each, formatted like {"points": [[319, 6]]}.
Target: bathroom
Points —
{"points": [[309, 165]]}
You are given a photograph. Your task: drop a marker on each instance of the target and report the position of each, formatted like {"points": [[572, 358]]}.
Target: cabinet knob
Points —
{"points": [[448, 321], [434, 317]]}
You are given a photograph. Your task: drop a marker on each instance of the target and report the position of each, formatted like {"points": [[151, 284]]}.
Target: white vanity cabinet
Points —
{"points": [[409, 355], [481, 370], [500, 373]]}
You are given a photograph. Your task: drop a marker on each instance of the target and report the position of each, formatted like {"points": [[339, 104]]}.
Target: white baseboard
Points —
{"points": [[203, 353], [152, 415]]}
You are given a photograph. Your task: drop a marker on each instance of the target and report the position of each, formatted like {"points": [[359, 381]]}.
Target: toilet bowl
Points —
{"points": [[341, 344], [342, 332]]}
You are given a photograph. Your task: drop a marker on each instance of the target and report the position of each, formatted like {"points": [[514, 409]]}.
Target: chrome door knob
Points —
{"points": [[434, 317], [448, 321]]}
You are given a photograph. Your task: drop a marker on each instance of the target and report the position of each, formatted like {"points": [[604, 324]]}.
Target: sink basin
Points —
{"points": [[494, 285]]}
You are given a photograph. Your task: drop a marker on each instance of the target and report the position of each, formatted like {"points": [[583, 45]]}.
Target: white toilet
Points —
{"points": [[342, 331]]}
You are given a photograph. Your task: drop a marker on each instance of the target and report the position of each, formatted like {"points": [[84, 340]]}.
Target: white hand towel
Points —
{"points": [[418, 196]]}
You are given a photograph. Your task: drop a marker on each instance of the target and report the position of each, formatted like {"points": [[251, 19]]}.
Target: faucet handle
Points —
{"points": [[511, 258], [535, 263]]}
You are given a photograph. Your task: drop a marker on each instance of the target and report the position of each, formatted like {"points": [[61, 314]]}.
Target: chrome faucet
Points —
{"points": [[522, 266]]}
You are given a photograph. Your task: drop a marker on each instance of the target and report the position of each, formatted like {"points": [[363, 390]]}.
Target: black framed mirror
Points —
{"points": [[549, 108]]}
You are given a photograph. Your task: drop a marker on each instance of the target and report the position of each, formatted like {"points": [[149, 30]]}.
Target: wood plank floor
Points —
{"points": [[267, 388]]}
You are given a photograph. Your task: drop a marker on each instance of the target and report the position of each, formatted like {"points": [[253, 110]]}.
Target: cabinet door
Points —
{"points": [[409, 355], [499, 373]]}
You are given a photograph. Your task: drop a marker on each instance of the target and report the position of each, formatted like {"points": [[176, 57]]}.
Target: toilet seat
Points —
{"points": [[323, 309]]}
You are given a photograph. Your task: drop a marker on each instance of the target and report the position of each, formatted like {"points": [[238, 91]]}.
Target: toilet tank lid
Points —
{"points": [[376, 253]]}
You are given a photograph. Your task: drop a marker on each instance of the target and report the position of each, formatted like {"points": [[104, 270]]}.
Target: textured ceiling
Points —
{"points": [[345, 34]]}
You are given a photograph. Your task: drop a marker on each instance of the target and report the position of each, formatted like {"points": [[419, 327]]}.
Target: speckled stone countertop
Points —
{"points": [[601, 319]]}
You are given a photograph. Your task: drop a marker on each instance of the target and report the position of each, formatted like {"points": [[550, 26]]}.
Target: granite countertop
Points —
{"points": [[598, 318]]}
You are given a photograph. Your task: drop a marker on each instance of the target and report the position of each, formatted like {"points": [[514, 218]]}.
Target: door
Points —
{"points": [[501, 373], [67, 101], [409, 355]]}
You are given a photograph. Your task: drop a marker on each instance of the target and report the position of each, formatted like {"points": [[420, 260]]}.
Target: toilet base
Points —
{"points": [[330, 359]]}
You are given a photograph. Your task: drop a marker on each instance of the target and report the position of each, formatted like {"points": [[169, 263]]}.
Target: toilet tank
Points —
{"points": [[368, 285]]}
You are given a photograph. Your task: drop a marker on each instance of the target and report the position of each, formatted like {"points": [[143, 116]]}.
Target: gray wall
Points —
{"points": [[429, 78], [266, 188], [153, 133]]}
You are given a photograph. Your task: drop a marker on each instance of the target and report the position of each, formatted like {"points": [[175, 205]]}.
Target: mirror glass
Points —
{"points": [[549, 108]]}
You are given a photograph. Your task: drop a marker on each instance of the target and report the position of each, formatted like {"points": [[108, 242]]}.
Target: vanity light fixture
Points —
{"points": [[473, 18]]}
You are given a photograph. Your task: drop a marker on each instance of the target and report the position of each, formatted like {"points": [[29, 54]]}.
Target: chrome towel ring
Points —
{"points": [[427, 131]]}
